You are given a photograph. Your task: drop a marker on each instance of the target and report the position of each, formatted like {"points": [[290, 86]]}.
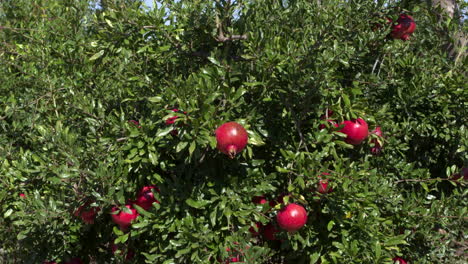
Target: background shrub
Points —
{"points": [[75, 73]]}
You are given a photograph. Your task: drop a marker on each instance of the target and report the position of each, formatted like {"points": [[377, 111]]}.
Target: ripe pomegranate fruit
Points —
{"points": [[404, 28], [122, 218], [231, 138], [254, 232], [331, 122], [399, 260], [327, 117], [86, 213], [458, 176], [356, 129], [259, 199], [278, 200], [130, 253], [269, 232], [292, 217], [22, 195], [74, 261], [322, 186], [377, 148], [145, 197]]}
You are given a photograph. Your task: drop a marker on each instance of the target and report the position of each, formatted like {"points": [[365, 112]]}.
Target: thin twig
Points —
{"points": [[425, 180], [222, 38]]}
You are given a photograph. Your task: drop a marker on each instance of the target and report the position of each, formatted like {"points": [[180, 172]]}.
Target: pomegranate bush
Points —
{"points": [[171, 134]]}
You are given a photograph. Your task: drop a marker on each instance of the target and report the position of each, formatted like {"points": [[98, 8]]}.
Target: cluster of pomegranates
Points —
{"points": [[124, 217], [403, 27], [290, 217]]}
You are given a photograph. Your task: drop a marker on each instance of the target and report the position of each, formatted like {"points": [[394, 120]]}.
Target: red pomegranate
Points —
{"points": [[399, 260], [87, 213], [327, 117], [278, 200], [231, 138], [145, 197], [269, 232], [22, 195], [331, 122], [259, 199], [130, 253], [458, 176], [254, 232], [74, 261], [322, 186], [356, 129], [292, 217], [122, 218], [404, 28], [377, 148]]}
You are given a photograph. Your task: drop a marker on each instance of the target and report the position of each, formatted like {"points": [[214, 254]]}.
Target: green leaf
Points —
{"points": [[155, 99], [197, 204], [192, 147], [182, 145], [97, 55], [164, 131], [8, 213]]}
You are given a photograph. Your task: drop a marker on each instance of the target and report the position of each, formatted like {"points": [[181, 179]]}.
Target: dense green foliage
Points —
{"points": [[73, 75]]}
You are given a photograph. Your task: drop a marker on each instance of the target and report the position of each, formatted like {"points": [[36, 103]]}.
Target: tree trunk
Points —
{"points": [[449, 9]]}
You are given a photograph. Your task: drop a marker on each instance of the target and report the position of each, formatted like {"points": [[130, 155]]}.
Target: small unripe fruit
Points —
{"points": [[231, 138]]}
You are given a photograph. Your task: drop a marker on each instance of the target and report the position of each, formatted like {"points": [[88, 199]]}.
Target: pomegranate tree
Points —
{"points": [[122, 218], [404, 27], [356, 131], [292, 217], [231, 138]]}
